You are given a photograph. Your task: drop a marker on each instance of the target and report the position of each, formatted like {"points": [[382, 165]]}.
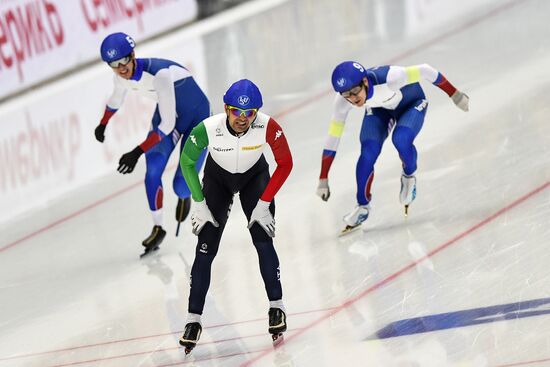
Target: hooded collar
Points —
{"points": [[139, 70], [370, 88]]}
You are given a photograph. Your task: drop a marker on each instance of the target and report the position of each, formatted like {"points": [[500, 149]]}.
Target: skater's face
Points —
{"points": [[240, 120], [357, 95], [124, 67]]}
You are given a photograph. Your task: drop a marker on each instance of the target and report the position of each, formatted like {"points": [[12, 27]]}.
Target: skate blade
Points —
{"points": [[188, 346], [147, 252], [349, 229], [178, 229], [406, 211], [278, 339]]}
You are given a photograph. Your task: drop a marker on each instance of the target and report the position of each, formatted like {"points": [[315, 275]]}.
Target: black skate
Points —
{"points": [[191, 336], [182, 211], [152, 242], [277, 324]]}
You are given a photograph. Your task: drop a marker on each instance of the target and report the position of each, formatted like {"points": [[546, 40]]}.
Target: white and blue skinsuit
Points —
{"points": [[181, 105], [395, 100]]}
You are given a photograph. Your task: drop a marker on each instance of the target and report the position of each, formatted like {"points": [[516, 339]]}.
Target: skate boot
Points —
{"points": [[182, 211], [354, 219], [191, 336], [408, 191], [277, 324], [152, 242]]}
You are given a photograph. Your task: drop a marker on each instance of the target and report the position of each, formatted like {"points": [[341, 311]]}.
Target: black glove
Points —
{"points": [[128, 161], [100, 132]]}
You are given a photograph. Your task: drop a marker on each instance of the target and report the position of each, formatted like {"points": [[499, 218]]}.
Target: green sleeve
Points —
{"points": [[194, 145]]}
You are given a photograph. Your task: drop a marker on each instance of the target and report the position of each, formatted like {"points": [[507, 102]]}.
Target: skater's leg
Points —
{"points": [[364, 170], [267, 256], [156, 163], [402, 139], [219, 199], [269, 262], [156, 160], [269, 265], [205, 252], [408, 126], [374, 131]]}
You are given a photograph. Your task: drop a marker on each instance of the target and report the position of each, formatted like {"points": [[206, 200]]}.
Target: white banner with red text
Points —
{"points": [[40, 39]]}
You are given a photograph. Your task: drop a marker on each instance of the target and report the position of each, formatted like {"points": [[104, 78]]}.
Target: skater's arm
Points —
{"points": [[335, 131], [164, 85], [277, 141], [399, 76], [109, 112], [194, 145], [114, 102]]}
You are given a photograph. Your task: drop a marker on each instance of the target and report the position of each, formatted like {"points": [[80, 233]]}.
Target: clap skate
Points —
{"points": [[191, 336], [182, 211], [354, 219], [408, 191], [277, 325], [152, 242]]}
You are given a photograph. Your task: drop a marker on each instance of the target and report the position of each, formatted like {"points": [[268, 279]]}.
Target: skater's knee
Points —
{"points": [[370, 150], [265, 248], [155, 166], [153, 174], [259, 235], [403, 138], [180, 187], [205, 253], [368, 158]]}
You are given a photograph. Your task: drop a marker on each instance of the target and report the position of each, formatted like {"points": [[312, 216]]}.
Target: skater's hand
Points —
{"points": [[128, 161], [100, 132], [323, 191], [201, 216], [461, 100], [263, 217]]}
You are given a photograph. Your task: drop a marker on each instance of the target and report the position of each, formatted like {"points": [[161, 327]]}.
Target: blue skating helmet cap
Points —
{"points": [[243, 94], [116, 46], [347, 75]]}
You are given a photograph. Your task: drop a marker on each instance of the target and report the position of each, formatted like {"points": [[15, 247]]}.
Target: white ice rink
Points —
{"points": [[73, 291]]}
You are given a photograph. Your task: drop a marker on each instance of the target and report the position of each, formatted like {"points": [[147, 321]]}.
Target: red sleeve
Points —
{"points": [[109, 112], [326, 162], [445, 85], [277, 141]]}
